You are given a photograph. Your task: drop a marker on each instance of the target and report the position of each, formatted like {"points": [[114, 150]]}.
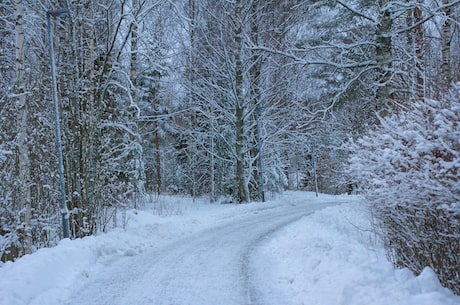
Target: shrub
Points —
{"points": [[408, 170]]}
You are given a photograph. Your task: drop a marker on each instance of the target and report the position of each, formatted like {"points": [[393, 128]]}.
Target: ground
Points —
{"points": [[295, 249]]}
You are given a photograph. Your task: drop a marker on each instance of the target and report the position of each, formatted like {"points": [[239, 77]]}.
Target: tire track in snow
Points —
{"points": [[252, 293], [211, 267]]}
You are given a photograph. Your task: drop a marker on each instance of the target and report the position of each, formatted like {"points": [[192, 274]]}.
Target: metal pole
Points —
{"points": [[315, 171], [64, 210]]}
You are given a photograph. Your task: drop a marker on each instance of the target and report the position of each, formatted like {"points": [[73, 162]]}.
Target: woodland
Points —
{"points": [[235, 100]]}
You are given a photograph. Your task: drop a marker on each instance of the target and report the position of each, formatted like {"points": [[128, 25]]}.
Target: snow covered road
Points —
{"points": [[297, 249], [209, 267]]}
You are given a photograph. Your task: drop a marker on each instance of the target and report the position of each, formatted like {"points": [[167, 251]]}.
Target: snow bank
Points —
{"points": [[332, 258], [48, 275]]}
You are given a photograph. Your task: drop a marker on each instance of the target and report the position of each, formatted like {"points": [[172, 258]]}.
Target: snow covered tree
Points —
{"points": [[104, 107], [157, 90], [237, 93], [29, 216], [230, 98], [359, 58], [409, 171]]}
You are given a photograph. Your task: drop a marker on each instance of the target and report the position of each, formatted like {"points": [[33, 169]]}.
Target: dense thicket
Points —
{"points": [[409, 168], [235, 99]]}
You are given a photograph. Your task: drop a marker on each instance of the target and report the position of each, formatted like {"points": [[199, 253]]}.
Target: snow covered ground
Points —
{"points": [[296, 249]]}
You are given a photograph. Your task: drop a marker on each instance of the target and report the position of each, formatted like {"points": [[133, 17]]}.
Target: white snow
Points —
{"points": [[328, 257], [333, 258]]}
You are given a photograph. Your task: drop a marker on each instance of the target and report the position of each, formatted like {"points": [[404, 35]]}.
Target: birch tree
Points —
{"points": [[8, 216], [27, 209], [446, 38]]}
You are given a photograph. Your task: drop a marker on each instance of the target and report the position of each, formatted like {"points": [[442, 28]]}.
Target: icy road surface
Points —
{"points": [[209, 267]]}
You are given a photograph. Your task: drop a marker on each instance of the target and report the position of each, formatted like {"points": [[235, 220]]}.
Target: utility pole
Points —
{"points": [[64, 209]]}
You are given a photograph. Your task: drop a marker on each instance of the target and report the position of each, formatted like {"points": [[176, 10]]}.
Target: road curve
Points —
{"points": [[209, 268]]}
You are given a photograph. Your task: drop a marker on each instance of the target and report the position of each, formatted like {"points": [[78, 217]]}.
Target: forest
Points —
{"points": [[235, 100]]}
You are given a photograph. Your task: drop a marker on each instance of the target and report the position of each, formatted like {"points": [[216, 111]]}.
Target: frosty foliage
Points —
{"points": [[408, 169]]}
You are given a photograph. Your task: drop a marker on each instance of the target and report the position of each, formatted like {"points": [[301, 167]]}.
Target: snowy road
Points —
{"points": [[203, 253], [209, 267]]}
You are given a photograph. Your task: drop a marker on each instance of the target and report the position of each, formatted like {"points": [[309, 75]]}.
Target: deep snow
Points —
{"points": [[329, 257]]}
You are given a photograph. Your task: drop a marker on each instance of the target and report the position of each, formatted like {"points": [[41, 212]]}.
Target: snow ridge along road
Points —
{"points": [[208, 267]]}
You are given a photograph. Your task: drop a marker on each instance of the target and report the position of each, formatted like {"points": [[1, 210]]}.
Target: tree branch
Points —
{"points": [[355, 11]]}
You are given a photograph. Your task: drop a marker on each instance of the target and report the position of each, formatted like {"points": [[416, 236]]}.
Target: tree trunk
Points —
{"points": [[23, 167], [383, 58], [242, 195], [415, 41], [138, 174], [154, 88], [157, 154], [255, 75], [445, 48]]}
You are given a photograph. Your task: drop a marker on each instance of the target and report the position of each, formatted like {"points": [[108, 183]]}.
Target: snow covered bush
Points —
{"points": [[408, 170]]}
